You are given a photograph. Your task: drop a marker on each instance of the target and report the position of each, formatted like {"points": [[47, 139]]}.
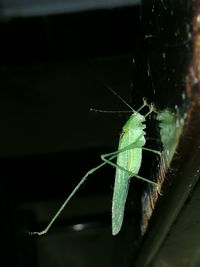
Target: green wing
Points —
{"points": [[130, 160]]}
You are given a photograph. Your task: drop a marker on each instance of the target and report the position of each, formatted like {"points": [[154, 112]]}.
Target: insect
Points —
{"points": [[171, 127], [129, 159]]}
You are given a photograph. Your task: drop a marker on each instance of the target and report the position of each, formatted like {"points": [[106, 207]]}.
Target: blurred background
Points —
{"points": [[56, 58]]}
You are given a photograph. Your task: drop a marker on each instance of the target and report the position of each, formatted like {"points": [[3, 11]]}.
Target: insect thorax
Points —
{"points": [[134, 129]]}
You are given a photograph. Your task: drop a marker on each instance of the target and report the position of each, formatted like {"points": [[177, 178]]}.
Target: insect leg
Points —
{"points": [[113, 155], [150, 106], [152, 150], [69, 197]]}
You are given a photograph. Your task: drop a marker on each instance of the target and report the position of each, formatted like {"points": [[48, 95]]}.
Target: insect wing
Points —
{"points": [[121, 187], [130, 161]]}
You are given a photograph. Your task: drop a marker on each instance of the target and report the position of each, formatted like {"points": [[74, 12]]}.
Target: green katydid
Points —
{"points": [[129, 159]]}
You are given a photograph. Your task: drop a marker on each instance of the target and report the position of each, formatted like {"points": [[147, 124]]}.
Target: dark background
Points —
{"points": [[53, 70]]}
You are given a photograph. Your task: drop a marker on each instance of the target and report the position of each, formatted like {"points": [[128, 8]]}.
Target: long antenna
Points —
{"points": [[110, 111], [102, 80], [118, 96]]}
